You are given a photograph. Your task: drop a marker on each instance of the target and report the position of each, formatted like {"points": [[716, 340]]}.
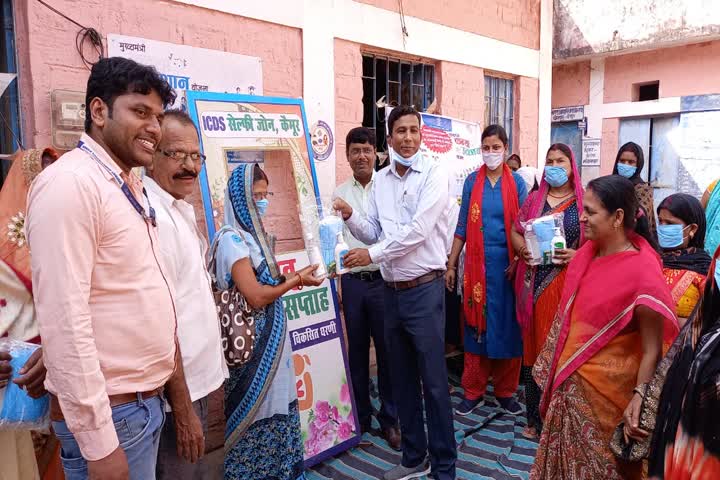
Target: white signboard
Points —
{"points": [[251, 125], [591, 152], [567, 114], [192, 68]]}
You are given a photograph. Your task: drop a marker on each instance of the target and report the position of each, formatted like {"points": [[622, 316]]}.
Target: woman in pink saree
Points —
{"points": [[615, 318]]}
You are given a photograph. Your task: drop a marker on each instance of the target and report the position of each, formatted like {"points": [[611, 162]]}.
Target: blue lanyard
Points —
{"points": [[123, 187]]}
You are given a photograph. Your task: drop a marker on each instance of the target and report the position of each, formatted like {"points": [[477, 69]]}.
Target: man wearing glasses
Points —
{"points": [[363, 298], [170, 179]]}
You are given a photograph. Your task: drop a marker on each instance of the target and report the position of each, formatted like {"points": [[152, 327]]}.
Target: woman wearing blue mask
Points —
{"points": [[491, 200], [629, 163], [687, 427], [539, 288], [262, 436], [681, 234]]}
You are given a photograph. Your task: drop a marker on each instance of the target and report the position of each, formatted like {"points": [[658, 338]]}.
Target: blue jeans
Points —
{"points": [[138, 426]]}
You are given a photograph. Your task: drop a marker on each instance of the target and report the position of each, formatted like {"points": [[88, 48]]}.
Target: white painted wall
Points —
{"points": [[545, 80]]}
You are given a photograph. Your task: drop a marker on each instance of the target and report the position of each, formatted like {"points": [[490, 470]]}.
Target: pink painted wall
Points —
{"points": [[526, 123], [462, 91], [48, 60], [348, 101], [571, 84], [513, 21], [687, 70], [609, 144]]}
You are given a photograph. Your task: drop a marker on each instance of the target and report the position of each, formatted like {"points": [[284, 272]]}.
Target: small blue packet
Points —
{"points": [[18, 411]]}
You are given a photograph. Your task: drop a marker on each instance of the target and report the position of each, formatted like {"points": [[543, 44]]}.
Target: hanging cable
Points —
{"points": [[403, 27], [83, 35]]}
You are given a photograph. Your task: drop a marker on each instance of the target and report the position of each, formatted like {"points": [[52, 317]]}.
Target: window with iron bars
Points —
{"points": [[400, 82], [499, 104]]}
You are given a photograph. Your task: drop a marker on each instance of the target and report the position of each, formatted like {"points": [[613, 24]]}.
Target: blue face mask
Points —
{"points": [[626, 171], [670, 236], [556, 176], [406, 162], [262, 206]]}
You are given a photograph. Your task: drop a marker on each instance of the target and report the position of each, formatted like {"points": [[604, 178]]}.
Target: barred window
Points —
{"points": [[499, 104], [400, 82]]}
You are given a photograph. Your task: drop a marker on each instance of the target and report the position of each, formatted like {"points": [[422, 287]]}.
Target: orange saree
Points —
{"points": [[588, 367]]}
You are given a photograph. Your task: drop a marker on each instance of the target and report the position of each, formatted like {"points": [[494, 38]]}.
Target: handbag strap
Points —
{"points": [[212, 264]]}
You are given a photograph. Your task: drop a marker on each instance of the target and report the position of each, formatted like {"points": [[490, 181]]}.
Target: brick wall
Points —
{"points": [[348, 101], [571, 84], [513, 21], [462, 91], [526, 108]]}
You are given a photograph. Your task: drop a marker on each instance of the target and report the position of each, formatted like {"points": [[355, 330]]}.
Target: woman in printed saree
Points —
{"points": [[262, 436], [686, 439], [614, 319], [539, 288], [711, 202], [629, 163], [18, 458], [681, 233], [491, 200]]}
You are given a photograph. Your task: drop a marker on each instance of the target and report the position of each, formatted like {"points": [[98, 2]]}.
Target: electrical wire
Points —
{"points": [[403, 27], [83, 35]]}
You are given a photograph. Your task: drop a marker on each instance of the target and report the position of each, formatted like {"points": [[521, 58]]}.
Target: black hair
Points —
{"points": [[116, 76], [495, 131], [359, 135], [259, 174], [401, 111], [688, 209], [561, 147], [638, 152], [182, 117], [618, 193]]}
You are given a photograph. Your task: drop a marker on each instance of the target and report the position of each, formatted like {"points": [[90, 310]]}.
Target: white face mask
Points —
{"points": [[493, 159], [407, 162]]}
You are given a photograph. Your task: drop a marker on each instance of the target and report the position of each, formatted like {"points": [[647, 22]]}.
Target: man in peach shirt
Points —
{"points": [[104, 306]]}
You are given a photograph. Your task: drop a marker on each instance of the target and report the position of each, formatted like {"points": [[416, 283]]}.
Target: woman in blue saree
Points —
{"points": [[262, 435]]}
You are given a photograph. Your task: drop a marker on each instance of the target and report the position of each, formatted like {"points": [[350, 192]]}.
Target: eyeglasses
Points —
{"points": [[368, 151], [179, 156], [262, 196]]}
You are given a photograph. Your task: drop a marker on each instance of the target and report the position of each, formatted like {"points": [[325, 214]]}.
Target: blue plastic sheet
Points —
{"points": [[19, 411]]}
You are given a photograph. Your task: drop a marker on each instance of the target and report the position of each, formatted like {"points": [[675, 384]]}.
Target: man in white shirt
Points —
{"points": [[407, 215], [183, 248], [364, 298]]}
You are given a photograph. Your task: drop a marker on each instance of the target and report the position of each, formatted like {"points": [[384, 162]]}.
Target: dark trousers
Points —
{"points": [[364, 308], [415, 328], [170, 466]]}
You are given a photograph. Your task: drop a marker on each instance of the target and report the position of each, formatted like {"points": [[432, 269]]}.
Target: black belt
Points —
{"points": [[366, 276], [422, 280]]}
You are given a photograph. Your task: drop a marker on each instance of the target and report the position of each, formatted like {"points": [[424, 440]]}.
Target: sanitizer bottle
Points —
{"points": [[341, 249], [558, 243]]}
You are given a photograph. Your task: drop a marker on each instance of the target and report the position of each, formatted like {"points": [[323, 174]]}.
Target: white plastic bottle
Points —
{"points": [[315, 257], [532, 245], [558, 243], [341, 249]]}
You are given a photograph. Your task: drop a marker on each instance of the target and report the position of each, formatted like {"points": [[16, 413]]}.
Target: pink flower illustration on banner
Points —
{"points": [[345, 431], [351, 420], [322, 412], [345, 393]]}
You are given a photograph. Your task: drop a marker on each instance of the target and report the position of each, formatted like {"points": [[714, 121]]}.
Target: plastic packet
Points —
{"points": [[320, 229], [18, 411], [544, 230]]}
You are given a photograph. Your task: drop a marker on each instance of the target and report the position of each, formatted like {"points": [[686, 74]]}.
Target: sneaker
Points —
{"points": [[510, 405], [467, 406], [404, 473]]}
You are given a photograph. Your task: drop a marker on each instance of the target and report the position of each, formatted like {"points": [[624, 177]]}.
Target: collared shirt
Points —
{"points": [[183, 252], [104, 306], [408, 215], [356, 196]]}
